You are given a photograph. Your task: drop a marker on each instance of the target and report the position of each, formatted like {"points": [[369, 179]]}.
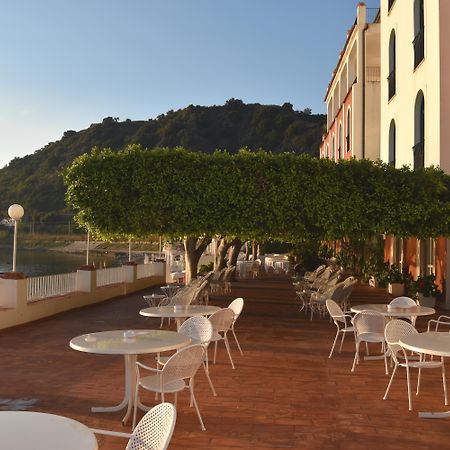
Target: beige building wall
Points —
{"points": [[409, 81]]}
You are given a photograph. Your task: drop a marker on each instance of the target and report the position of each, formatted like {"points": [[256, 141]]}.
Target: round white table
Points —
{"points": [[129, 343], [25, 430], [179, 311], [436, 343], [154, 299], [383, 309]]}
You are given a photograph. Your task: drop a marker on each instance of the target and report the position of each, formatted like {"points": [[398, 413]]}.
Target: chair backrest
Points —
{"points": [[222, 320], [184, 296], [183, 364], [198, 328], [335, 311], [236, 306], [403, 302], [394, 331], [155, 429], [437, 324], [368, 321]]}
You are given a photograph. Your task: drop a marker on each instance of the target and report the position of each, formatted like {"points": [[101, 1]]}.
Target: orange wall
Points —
{"points": [[388, 247], [441, 261], [334, 128], [410, 256]]}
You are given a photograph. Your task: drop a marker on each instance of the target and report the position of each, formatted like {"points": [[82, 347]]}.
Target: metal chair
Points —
{"points": [[153, 432], [236, 306], [222, 321], [369, 327], [181, 366], [404, 302], [395, 330], [342, 322]]}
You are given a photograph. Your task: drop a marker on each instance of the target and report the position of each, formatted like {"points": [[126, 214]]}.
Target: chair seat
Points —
{"points": [[370, 337], [152, 383], [422, 364], [216, 336], [347, 330]]}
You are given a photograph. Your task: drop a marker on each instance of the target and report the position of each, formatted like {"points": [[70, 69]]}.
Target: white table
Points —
{"points": [[170, 290], [179, 311], [154, 299], [28, 430], [436, 343], [129, 343], [383, 309]]}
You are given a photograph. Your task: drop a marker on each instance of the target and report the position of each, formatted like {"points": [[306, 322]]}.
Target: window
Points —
{"points": [[390, 3], [391, 77], [339, 155], [418, 42], [391, 157], [333, 148], [327, 154], [349, 127], [427, 256], [419, 131]]}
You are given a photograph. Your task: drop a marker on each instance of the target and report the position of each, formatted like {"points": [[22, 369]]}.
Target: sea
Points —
{"points": [[35, 263]]}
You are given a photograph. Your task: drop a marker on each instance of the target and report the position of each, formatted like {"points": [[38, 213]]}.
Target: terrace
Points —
{"points": [[284, 392]]}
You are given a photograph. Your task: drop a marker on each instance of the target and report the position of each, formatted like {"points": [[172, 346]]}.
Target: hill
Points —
{"points": [[35, 182]]}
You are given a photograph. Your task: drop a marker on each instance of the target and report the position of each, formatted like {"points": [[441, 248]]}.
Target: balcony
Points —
{"points": [[391, 84], [419, 48], [419, 155]]}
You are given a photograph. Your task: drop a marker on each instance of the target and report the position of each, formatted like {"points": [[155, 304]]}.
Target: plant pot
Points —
{"points": [[396, 289], [426, 301]]}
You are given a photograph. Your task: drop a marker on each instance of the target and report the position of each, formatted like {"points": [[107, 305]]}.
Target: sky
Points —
{"points": [[68, 64]]}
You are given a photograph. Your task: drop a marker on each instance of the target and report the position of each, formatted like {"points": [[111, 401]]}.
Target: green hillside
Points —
{"points": [[35, 182]]}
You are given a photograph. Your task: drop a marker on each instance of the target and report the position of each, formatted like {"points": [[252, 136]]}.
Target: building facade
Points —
{"points": [[353, 95], [404, 118]]}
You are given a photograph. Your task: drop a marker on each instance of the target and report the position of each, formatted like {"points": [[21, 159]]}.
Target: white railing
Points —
{"points": [[50, 286], [149, 270], [112, 275]]}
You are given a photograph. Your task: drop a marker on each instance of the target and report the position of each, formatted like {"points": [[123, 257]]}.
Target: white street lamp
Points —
{"points": [[16, 212]]}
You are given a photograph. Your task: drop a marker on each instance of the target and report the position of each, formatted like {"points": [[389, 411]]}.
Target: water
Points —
{"points": [[34, 262]]}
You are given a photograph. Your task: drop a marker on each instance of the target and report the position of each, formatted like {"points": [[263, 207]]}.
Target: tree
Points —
{"points": [[255, 196]]}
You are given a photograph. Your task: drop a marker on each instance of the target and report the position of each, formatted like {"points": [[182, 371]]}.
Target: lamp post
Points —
{"points": [[16, 212]]}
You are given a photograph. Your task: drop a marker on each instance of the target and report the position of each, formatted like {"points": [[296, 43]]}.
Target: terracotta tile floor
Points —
{"points": [[284, 393]]}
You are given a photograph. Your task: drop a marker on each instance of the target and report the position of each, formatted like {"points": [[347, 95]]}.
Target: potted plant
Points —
{"points": [[396, 282], [426, 290]]}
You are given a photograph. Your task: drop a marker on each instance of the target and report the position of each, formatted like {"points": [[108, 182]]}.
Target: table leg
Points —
{"points": [[434, 415]]}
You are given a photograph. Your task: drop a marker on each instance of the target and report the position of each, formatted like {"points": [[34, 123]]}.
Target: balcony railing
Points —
{"points": [[112, 275], [391, 84], [418, 44], [149, 270], [419, 155], [50, 286]]}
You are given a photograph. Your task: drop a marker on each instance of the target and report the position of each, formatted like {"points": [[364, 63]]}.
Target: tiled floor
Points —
{"points": [[284, 392]]}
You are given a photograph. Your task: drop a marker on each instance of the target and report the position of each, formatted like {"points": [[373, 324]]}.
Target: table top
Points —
{"points": [[433, 343], [394, 312], [129, 342], [24, 430], [179, 311]]}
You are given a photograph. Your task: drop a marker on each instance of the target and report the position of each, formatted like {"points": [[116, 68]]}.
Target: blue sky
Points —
{"points": [[67, 64]]}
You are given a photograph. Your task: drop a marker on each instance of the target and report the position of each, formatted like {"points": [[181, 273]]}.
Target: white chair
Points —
{"points": [[236, 305], [369, 327], [222, 321], [404, 302], [437, 324], [342, 322], [395, 330], [153, 432], [200, 330], [179, 368]]}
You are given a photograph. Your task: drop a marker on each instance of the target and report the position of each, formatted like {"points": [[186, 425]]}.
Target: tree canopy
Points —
{"points": [[253, 195]]}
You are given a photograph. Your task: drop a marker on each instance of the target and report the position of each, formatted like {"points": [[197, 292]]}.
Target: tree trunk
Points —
{"points": [[255, 251], [221, 253], [247, 251], [234, 253], [194, 248]]}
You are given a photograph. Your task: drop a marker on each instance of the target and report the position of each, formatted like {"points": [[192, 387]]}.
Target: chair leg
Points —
{"points": [[215, 352], [191, 389], [209, 379], [383, 348], [334, 343], [390, 382], [227, 345], [342, 342], [356, 358], [444, 383], [135, 405], [237, 342]]}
